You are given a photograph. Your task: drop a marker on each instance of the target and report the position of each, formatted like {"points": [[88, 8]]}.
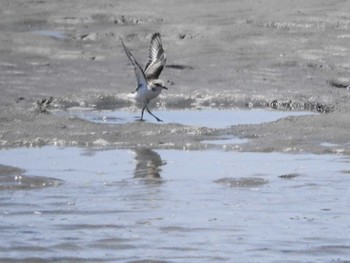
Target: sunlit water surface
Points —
{"points": [[173, 206]]}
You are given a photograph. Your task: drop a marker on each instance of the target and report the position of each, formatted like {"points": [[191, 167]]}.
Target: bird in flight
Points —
{"points": [[148, 84]]}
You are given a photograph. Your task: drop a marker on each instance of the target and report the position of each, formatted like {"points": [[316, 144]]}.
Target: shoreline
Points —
{"points": [[245, 58]]}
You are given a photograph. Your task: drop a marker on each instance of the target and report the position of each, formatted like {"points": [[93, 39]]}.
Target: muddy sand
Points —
{"points": [[288, 55]]}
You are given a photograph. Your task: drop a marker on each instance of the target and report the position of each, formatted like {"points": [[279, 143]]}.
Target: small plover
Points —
{"points": [[148, 84]]}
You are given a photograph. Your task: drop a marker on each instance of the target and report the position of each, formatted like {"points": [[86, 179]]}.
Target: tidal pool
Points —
{"points": [[54, 34], [173, 206], [226, 140], [205, 118]]}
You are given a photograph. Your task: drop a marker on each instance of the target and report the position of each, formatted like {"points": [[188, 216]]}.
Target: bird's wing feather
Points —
{"points": [[156, 58], [140, 75]]}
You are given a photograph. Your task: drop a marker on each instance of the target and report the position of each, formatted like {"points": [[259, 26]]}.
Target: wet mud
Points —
{"points": [[271, 54]]}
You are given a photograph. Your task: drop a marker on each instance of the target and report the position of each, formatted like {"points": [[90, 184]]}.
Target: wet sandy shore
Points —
{"points": [[241, 54]]}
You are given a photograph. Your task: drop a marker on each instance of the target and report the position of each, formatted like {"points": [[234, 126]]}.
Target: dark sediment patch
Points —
{"points": [[12, 178], [249, 182], [177, 66]]}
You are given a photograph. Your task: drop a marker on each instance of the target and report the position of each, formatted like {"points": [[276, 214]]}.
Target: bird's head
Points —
{"points": [[158, 85]]}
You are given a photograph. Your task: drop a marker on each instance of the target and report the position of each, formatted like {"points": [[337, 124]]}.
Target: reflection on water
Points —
{"points": [[215, 206], [148, 164]]}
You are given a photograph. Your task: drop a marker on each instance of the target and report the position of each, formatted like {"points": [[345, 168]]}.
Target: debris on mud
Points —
{"points": [[43, 105], [287, 104], [339, 84]]}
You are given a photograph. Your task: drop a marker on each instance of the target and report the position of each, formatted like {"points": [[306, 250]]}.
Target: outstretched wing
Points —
{"points": [[140, 75], [156, 58]]}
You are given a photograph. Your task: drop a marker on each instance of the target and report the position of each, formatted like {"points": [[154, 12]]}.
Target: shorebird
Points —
{"points": [[148, 84]]}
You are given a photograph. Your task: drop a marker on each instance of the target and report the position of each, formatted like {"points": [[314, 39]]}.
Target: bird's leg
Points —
{"points": [[143, 111], [152, 113]]}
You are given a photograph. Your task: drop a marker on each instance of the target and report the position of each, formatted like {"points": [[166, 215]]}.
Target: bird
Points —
{"points": [[148, 84]]}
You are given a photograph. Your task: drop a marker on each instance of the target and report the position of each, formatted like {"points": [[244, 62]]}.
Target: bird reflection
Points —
{"points": [[148, 164]]}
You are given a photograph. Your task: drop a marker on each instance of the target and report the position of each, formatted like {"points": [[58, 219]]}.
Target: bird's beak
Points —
{"points": [[165, 88]]}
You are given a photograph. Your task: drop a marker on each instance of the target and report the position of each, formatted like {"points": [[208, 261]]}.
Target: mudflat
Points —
{"points": [[59, 55]]}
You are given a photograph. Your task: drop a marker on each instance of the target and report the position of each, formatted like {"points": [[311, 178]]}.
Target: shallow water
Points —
{"points": [[54, 34], [204, 118], [226, 140], [174, 206]]}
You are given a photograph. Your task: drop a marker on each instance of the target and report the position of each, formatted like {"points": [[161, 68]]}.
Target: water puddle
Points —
{"points": [[226, 140], [54, 34], [204, 118], [328, 144], [171, 206]]}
